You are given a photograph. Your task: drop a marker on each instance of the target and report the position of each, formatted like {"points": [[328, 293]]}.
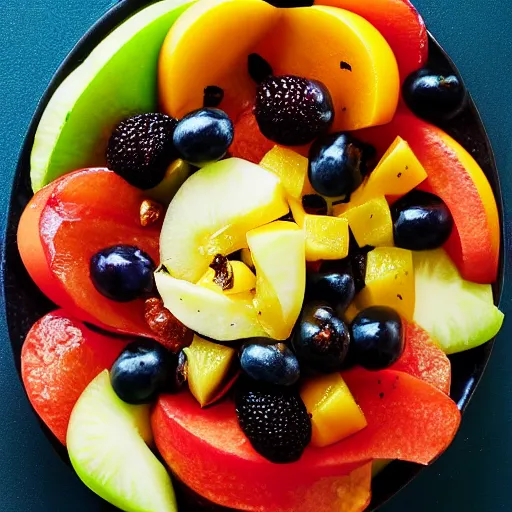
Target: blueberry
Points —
{"points": [[321, 340], [338, 289], [142, 371], [337, 164], [377, 337], [421, 221], [434, 96], [203, 136], [275, 364], [122, 272]]}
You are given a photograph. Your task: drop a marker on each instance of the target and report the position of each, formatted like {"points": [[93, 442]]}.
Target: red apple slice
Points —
{"points": [[60, 357], [454, 176]]}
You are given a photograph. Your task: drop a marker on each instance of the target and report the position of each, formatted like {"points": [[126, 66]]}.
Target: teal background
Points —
{"points": [[474, 474]]}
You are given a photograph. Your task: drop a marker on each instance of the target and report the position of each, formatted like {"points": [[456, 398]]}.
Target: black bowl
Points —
{"points": [[25, 304]]}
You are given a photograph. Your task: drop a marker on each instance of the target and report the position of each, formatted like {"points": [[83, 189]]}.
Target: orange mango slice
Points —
{"points": [[346, 53]]}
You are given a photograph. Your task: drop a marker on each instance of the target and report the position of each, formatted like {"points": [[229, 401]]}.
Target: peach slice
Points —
{"points": [[346, 53], [208, 45], [400, 24]]}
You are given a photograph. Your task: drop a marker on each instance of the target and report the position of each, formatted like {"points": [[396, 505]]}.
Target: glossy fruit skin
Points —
{"points": [[275, 364], [434, 96], [203, 136], [143, 369], [122, 272], [454, 176], [274, 419], [140, 149], [321, 340], [421, 221], [60, 357], [377, 337], [337, 164], [338, 289], [59, 259], [292, 110]]}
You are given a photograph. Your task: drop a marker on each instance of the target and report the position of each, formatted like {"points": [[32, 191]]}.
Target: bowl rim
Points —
{"points": [[398, 474]]}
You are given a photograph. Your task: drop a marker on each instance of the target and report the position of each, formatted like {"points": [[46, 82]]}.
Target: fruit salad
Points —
{"points": [[262, 250]]}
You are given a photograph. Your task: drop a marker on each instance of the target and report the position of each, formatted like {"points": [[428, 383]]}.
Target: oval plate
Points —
{"points": [[25, 304]]}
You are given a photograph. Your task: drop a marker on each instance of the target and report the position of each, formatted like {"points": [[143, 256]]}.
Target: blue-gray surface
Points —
{"points": [[474, 474]]}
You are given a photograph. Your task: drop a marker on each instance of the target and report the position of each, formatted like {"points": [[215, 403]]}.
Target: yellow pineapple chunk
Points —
{"points": [[371, 223], [335, 414]]}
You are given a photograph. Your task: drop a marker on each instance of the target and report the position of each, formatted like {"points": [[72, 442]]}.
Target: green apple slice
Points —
{"points": [[212, 212], [214, 315], [118, 79], [459, 314], [106, 442]]}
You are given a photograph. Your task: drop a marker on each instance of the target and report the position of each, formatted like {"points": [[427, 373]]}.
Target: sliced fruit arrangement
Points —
{"points": [[288, 259], [455, 177], [60, 357], [106, 442], [106, 88]]}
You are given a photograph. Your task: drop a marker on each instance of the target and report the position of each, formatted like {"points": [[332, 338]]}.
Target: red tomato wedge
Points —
{"points": [[424, 359], [84, 212], [60, 357]]}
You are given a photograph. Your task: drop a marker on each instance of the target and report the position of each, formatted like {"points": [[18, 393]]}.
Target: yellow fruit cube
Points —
{"points": [[244, 279], [371, 223], [278, 253], [389, 281], [326, 238], [397, 173], [291, 168], [208, 367], [334, 412]]}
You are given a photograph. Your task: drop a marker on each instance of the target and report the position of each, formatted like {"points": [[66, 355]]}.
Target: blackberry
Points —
{"points": [[274, 419], [141, 148], [291, 110]]}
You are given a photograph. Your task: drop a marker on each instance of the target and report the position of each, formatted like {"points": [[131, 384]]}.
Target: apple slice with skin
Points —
{"points": [[107, 87], [454, 176], [342, 50], [412, 420], [60, 357], [278, 253], [205, 34], [210, 313], [213, 211], [107, 447]]}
